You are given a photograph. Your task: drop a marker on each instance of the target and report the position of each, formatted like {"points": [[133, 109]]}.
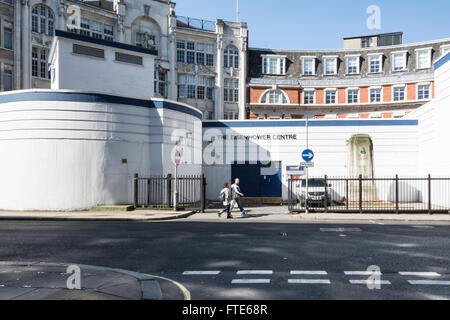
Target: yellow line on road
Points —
{"points": [[186, 293]]}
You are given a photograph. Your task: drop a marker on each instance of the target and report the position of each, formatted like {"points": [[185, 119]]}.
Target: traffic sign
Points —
{"points": [[308, 155], [295, 170], [177, 157], [307, 164]]}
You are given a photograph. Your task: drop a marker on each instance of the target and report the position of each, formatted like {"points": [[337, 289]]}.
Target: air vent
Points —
{"points": [[88, 51], [128, 58]]}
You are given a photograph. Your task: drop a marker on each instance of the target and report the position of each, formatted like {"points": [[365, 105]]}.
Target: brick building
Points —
{"points": [[373, 77]]}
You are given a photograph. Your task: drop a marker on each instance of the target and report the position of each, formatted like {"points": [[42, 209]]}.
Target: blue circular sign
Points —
{"points": [[308, 155]]}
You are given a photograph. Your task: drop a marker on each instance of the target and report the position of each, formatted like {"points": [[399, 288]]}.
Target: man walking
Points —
{"points": [[236, 194]]}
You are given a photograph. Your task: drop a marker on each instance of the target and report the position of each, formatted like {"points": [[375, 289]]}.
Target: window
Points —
{"points": [[7, 78], [7, 38], [423, 58], [160, 83], [42, 20], [445, 49], [399, 61], [423, 92], [353, 96], [353, 65], [309, 97], [375, 95], [231, 115], [231, 91], [208, 115], [330, 65], [309, 66], [210, 85], [330, 96], [145, 40], [195, 53], [275, 65], [108, 32], [39, 67], [210, 54], [192, 87], [399, 93], [231, 57], [85, 27], [375, 63], [181, 53], [274, 97]]}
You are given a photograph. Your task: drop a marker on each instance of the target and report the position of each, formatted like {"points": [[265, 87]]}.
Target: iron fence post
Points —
{"points": [[347, 194], [396, 195], [136, 191], [429, 195], [169, 190], [203, 193], [360, 194], [326, 194]]}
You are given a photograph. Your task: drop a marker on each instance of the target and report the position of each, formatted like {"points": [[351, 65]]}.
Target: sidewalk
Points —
{"points": [[281, 214], [49, 281], [137, 215]]}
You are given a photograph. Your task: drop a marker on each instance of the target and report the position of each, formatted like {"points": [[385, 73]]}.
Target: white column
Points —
{"points": [[172, 41], [26, 50], [219, 103], [62, 16], [17, 45], [243, 72]]}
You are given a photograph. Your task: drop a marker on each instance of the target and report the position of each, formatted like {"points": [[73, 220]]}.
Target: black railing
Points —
{"points": [[157, 192], [370, 195], [193, 23]]}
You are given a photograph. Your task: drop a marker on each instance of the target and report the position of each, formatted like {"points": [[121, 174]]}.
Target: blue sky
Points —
{"points": [[300, 24]]}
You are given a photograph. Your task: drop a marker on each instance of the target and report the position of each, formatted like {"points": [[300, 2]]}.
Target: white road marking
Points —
{"points": [[419, 274], [309, 281], [374, 282], [297, 272], [429, 282], [201, 273], [255, 272], [250, 281], [362, 273]]}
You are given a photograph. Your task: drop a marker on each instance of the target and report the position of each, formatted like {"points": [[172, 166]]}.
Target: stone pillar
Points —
{"points": [[219, 103], [243, 71], [172, 54], [120, 9], [17, 45], [62, 15], [26, 48]]}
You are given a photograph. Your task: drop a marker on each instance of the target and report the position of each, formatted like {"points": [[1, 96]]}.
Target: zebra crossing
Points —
{"points": [[322, 277]]}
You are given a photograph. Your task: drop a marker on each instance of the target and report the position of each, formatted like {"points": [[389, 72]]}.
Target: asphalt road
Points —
{"points": [[286, 260]]}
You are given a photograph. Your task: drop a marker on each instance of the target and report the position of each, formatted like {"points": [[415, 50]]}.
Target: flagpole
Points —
{"points": [[237, 10]]}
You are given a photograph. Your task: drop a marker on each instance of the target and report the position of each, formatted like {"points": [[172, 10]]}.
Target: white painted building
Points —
{"points": [[196, 58], [74, 149]]}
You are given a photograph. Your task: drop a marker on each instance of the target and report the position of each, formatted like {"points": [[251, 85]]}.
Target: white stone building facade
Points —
{"points": [[201, 63]]}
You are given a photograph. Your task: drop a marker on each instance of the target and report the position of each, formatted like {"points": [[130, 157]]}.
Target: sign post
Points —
{"points": [[308, 156], [175, 192]]}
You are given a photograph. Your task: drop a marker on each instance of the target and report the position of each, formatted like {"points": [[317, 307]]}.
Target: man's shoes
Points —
{"points": [[229, 217], [244, 214], [219, 214]]}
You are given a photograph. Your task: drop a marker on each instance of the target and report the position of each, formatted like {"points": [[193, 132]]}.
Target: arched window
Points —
{"points": [[231, 57], [42, 20], [275, 97]]}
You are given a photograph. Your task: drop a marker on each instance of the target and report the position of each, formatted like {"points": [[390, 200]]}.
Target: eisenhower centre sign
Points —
{"points": [[260, 137]]}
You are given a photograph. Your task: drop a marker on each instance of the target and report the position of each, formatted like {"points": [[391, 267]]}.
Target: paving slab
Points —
{"points": [[48, 281]]}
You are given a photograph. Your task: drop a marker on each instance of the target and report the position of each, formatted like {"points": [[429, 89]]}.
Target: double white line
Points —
{"points": [[425, 275], [309, 281]]}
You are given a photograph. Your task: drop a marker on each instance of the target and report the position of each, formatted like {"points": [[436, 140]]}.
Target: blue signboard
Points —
{"points": [[308, 155]]}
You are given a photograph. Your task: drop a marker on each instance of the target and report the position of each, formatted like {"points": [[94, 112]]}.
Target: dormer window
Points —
{"points": [[309, 66], [375, 63], [423, 58], [352, 64], [274, 65], [330, 65], [399, 61]]}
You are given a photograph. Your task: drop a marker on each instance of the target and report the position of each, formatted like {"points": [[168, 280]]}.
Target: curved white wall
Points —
{"points": [[63, 150]]}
